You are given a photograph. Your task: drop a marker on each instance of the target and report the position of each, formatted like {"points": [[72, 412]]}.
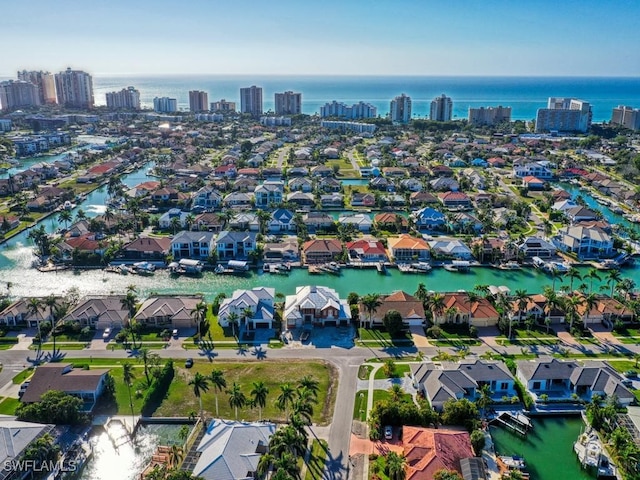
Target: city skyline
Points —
{"points": [[287, 38]]}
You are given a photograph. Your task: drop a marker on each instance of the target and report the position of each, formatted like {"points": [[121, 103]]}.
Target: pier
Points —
{"points": [[514, 421]]}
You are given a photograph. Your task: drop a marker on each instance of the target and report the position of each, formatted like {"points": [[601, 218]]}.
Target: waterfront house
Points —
{"points": [[323, 250], [393, 222], [301, 199], [409, 307], [301, 184], [99, 311], [465, 222], [406, 249], [428, 218], [166, 219], [206, 198], [422, 198], [411, 184], [196, 245], [245, 184], [148, 248], [537, 247], [18, 437], [238, 200], [539, 170], [429, 450], [321, 171], [380, 183], [212, 222], [227, 171], [444, 184], [87, 385], [459, 310], [455, 200], [232, 450], [392, 200], [235, 245], [359, 220], [166, 195], [606, 310], [281, 221], [451, 248], [580, 214], [18, 313], [359, 199], [332, 200], [362, 250], [168, 311], [329, 184], [268, 194], [257, 300], [585, 242], [244, 221], [560, 380], [536, 307], [316, 305], [315, 221], [285, 250], [454, 381]]}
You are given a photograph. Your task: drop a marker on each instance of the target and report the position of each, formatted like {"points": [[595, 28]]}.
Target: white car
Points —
{"points": [[175, 333], [388, 432], [106, 334]]}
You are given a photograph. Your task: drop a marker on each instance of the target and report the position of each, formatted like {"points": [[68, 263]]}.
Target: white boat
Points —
{"points": [[510, 266], [68, 205], [421, 266], [589, 450], [513, 462]]}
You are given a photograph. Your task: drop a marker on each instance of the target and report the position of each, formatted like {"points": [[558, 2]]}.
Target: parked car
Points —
{"points": [[175, 333], [627, 383], [106, 334], [23, 388], [388, 432], [188, 363], [631, 374]]}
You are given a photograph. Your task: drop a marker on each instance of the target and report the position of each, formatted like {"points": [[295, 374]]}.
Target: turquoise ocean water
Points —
{"points": [[523, 94]]}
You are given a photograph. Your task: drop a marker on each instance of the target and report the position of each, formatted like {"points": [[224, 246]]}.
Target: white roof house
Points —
{"points": [[17, 436], [259, 300], [315, 305], [232, 450]]}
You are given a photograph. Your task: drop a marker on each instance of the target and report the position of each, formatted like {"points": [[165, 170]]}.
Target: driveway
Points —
{"points": [[420, 340], [380, 447]]}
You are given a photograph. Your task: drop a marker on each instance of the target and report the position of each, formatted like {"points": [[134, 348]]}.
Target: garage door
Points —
{"points": [[262, 325], [330, 323]]}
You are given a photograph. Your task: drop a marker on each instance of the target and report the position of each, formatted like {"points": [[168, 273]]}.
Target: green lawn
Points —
{"points": [[317, 458], [8, 406], [22, 376], [624, 365], [73, 337], [628, 332], [364, 371], [372, 336], [181, 400], [455, 342], [379, 395], [103, 362], [360, 405], [60, 346], [122, 394], [399, 371]]}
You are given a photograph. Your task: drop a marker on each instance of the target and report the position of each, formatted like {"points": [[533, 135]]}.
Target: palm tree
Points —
{"points": [[175, 224], [129, 302], [232, 319], [286, 398], [396, 392], [613, 278], [51, 302], [175, 456], [485, 398], [422, 293], [127, 378], [554, 273], [590, 301], [286, 467], [553, 302], [218, 382], [371, 302], [396, 466], [33, 307], [264, 464], [591, 275], [199, 314], [236, 398], [259, 394], [573, 274], [287, 440], [65, 216], [146, 357], [247, 313], [311, 384], [570, 306], [472, 298], [435, 303], [200, 385]]}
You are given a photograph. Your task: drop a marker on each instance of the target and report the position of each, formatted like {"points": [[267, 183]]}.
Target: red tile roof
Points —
{"points": [[428, 450]]}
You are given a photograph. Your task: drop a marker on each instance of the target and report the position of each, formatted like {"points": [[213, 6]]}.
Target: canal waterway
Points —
{"points": [[115, 457], [547, 449]]}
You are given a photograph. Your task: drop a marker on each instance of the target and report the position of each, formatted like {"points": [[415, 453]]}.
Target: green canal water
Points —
{"points": [[547, 449]]}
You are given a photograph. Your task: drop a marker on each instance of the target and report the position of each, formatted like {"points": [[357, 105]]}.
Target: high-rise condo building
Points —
{"points": [[441, 109], [564, 115], [165, 105], [16, 94], [74, 89], [45, 82], [400, 109], [251, 100], [288, 103], [223, 106], [127, 98], [626, 116], [198, 101], [489, 115], [342, 110]]}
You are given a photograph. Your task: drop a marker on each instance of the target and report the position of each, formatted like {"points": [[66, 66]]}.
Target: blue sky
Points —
{"points": [[368, 37]]}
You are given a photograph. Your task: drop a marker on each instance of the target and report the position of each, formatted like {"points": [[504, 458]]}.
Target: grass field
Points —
{"points": [[379, 395], [317, 458], [360, 405], [399, 371], [181, 400], [8, 406], [22, 376]]}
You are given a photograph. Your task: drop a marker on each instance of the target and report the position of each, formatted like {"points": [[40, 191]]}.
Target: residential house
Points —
{"points": [[238, 200], [428, 219], [244, 221], [211, 222], [258, 301], [429, 450], [196, 245], [268, 194], [465, 222], [606, 310], [232, 450], [459, 309], [19, 437], [332, 200], [423, 198], [560, 380], [235, 245], [281, 221], [441, 171], [584, 241], [536, 307], [329, 184], [18, 312], [301, 199], [409, 307], [406, 249], [148, 248], [87, 385], [450, 248], [455, 200], [411, 184], [455, 381], [315, 221], [540, 170], [316, 305], [321, 251], [533, 183], [391, 222], [537, 247], [380, 183], [166, 220], [173, 311], [206, 198], [359, 199], [580, 214], [360, 220], [444, 184], [245, 184], [285, 250], [302, 184], [100, 312], [362, 250]]}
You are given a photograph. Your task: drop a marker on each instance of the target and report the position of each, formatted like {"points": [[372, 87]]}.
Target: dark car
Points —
{"points": [[188, 363]]}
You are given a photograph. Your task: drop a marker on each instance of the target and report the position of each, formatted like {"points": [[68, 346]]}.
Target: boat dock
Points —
{"points": [[515, 421]]}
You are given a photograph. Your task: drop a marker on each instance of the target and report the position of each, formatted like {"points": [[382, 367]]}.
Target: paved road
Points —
{"points": [[346, 360]]}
